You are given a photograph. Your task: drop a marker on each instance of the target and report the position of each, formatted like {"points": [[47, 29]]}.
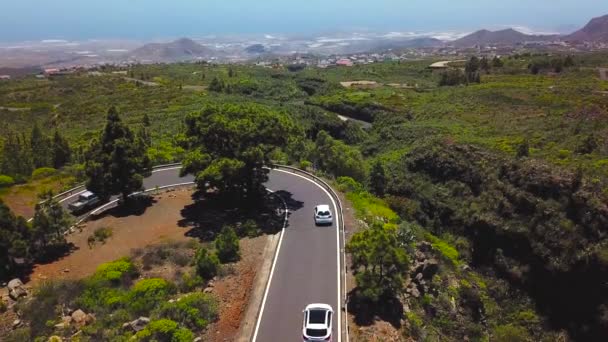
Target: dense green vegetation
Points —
{"points": [[115, 296], [22, 243], [498, 171]]}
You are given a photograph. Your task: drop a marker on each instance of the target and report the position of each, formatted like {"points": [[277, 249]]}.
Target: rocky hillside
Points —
{"points": [[502, 37], [183, 49], [595, 31]]}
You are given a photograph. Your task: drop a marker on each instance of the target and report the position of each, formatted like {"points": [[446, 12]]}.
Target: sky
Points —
{"points": [[154, 19]]}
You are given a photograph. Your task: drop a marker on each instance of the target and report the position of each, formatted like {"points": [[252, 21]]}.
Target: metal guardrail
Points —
{"points": [[333, 193], [80, 186], [307, 174]]}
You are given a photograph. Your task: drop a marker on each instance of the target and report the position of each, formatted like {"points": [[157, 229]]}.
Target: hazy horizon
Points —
{"points": [[156, 19]]}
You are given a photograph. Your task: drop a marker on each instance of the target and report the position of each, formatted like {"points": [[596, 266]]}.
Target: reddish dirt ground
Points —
{"points": [[158, 224], [234, 291]]}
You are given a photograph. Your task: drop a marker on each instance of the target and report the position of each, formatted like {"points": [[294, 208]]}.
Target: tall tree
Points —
{"points": [[62, 154], [14, 241], [16, 158], [41, 146], [484, 64], [116, 163], [49, 224], [497, 62], [378, 261], [337, 158], [230, 145], [217, 85], [146, 120], [377, 179]]}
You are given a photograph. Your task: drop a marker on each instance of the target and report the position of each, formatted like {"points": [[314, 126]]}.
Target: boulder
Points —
{"points": [[79, 318], [17, 323], [16, 289], [139, 324]]}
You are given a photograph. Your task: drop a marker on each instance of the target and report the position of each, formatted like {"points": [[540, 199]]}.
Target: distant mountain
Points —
{"points": [[183, 49], [502, 37], [255, 49], [595, 31]]}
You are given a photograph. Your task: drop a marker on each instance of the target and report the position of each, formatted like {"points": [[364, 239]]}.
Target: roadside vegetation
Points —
{"points": [[482, 188]]}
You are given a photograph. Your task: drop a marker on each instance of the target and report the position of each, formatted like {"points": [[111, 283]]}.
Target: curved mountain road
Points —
{"points": [[306, 268]]}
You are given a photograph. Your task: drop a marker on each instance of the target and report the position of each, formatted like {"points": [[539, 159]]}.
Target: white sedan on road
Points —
{"points": [[323, 214], [317, 323]]}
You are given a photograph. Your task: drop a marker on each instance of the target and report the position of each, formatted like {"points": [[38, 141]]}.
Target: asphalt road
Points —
{"points": [[159, 177], [306, 269]]}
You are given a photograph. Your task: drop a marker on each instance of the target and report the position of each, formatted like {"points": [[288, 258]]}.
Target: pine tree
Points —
{"points": [[377, 179], [41, 146], [61, 151], [16, 157], [49, 224], [497, 62], [146, 120], [216, 85], [117, 163]]}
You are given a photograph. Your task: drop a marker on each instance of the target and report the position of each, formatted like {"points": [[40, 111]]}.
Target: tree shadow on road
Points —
{"points": [[207, 215], [388, 308]]}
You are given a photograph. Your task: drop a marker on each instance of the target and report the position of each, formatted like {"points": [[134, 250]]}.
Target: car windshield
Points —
{"points": [[323, 213], [316, 332], [317, 317]]}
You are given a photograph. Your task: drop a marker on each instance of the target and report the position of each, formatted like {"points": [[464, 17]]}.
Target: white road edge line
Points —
{"points": [[339, 273], [274, 263]]}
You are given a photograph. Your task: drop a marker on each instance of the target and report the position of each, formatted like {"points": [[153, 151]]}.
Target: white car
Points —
{"points": [[317, 323], [323, 214]]}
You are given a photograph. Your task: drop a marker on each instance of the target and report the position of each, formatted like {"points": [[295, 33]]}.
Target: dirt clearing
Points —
{"points": [[159, 223]]}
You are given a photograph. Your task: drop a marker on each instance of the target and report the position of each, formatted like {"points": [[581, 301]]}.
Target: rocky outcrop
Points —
{"points": [[16, 289], [422, 270], [137, 325]]}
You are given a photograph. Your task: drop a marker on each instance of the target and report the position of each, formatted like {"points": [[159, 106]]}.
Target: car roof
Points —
{"points": [[319, 306], [323, 207], [87, 194]]}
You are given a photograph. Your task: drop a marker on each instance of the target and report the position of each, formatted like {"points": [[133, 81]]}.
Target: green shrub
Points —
{"points": [[115, 271], [100, 235], [147, 293], [305, 165], [195, 310], [510, 333], [447, 251], [164, 330], [19, 335], [188, 282], [248, 228], [347, 184], [416, 324], [6, 181], [206, 263], [43, 172], [371, 208], [227, 245]]}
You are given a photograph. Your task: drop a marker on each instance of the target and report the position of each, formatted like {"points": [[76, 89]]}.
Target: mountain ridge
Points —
{"points": [[596, 31]]}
